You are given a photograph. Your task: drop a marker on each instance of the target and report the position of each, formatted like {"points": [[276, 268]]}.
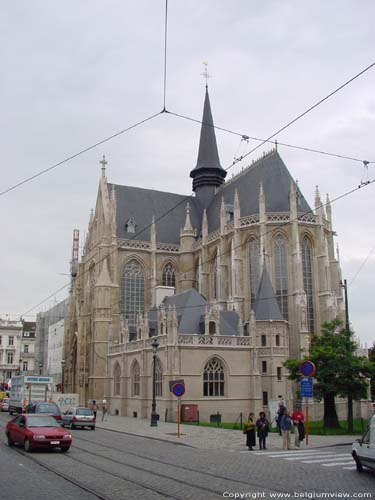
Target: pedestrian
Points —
{"points": [[104, 410], [263, 427], [94, 407], [286, 425], [249, 430], [280, 413], [299, 427]]}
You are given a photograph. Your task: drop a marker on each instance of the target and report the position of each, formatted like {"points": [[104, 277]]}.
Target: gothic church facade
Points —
{"points": [[230, 282]]}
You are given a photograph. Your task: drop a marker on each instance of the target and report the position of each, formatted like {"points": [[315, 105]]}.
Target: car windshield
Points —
{"points": [[84, 411], [47, 408], [41, 422]]}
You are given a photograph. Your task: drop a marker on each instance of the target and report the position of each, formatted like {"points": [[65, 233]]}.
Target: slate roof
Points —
{"points": [[190, 310], [272, 173], [265, 305]]}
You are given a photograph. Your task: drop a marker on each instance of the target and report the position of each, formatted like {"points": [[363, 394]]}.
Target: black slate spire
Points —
{"points": [[265, 305], [208, 171]]}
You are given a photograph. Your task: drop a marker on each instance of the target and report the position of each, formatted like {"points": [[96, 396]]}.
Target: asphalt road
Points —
{"points": [[116, 466]]}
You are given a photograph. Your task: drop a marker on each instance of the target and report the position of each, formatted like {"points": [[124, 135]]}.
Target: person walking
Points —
{"points": [[286, 425], [299, 426], [104, 410], [249, 430], [262, 426], [280, 413], [94, 408]]}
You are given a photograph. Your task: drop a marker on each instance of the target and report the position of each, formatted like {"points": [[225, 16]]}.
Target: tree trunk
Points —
{"points": [[350, 414], [330, 415]]}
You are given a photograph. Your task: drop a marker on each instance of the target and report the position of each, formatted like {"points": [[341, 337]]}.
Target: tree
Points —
{"points": [[372, 379], [339, 372]]}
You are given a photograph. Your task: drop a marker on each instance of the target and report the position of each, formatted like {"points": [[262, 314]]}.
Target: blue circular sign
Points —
{"points": [[307, 368], [178, 390]]}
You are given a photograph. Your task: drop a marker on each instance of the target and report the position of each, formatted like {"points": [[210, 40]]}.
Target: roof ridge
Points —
{"points": [[253, 164], [147, 189]]}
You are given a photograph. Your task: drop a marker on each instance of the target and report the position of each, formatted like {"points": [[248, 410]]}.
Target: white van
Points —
{"points": [[363, 449]]}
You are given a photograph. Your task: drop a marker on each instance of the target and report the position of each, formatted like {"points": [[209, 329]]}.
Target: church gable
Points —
{"points": [[270, 172]]}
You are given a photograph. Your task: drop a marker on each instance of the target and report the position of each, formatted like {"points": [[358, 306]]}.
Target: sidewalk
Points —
{"points": [[206, 437]]}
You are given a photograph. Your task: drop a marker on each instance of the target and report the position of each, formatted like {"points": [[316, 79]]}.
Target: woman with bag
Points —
{"points": [[249, 430]]}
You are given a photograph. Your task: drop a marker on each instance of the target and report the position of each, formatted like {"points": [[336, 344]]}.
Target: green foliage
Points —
{"points": [[372, 367]]}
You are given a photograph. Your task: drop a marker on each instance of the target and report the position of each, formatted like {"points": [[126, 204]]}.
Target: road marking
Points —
{"points": [[325, 460], [338, 463], [350, 468], [321, 457], [297, 456]]}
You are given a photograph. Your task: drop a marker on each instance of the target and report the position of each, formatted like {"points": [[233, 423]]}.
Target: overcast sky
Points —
{"points": [[76, 72]]}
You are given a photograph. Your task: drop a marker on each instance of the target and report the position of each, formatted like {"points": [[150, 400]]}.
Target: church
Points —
{"points": [[219, 288]]}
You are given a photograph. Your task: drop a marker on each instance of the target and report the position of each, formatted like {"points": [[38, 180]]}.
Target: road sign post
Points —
{"points": [[307, 392], [178, 390]]}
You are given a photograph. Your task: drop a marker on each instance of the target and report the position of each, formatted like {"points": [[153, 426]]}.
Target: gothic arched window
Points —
{"points": [[158, 379], [308, 282], [117, 380], [212, 328], [132, 291], [213, 378], [281, 274], [136, 379], [214, 280], [254, 267], [169, 278]]}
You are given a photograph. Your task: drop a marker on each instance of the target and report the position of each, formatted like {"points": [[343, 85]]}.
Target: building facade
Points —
{"points": [[251, 248], [27, 352], [55, 351], [10, 348]]}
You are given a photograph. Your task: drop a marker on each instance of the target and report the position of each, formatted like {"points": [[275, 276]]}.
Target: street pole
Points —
{"points": [[154, 416], [347, 328], [62, 375]]}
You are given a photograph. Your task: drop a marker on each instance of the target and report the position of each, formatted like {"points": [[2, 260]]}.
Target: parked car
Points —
{"points": [[37, 431], [45, 408], [363, 449], [78, 416], [4, 404]]}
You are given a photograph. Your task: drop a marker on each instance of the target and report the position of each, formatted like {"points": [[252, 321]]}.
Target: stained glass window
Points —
{"points": [[281, 274], [132, 291], [307, 281], [254, 267], [136, 379], [169, 278], [213, 378], [116, 380]]}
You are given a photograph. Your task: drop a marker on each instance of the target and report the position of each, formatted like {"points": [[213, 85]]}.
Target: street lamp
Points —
{"points": [[40, 368], [154, 415], [19, 366], [62, 374]]}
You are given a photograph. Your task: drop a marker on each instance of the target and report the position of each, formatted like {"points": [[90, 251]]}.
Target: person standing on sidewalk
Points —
{"points": [[299, 427], [249, 430], [94, 408], [104, 410], [286, 425], [262, 426], [280, 413]]}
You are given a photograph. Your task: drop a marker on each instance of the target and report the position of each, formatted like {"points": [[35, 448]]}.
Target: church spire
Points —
{"points": [[265, 304], [208, 171]]}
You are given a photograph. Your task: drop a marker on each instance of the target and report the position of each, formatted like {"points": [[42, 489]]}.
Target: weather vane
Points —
{"points": [[205, 73]]}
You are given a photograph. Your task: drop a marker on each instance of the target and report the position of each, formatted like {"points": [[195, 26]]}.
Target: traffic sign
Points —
{"points": [[307, 368], [306, 387], [178, 390]]}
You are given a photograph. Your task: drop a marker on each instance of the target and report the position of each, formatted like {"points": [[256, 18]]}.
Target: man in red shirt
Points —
{"points": [[299, 428]]}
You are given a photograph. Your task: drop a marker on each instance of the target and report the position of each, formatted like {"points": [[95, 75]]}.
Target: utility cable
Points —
{"points": [[276, 143], [165, 54], [85, 150], [362, 266]]}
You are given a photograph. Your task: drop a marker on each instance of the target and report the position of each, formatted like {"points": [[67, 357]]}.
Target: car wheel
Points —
{"points": [[27, 445], [10, 441], [357, 463], [71, 426], [64, 449], [93, 428]]}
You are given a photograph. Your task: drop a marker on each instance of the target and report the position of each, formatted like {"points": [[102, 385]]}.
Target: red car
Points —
{"points": [[37, 431]]}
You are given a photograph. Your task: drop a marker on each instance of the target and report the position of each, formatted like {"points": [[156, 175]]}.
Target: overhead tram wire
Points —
{"points": [[361, 266], [165, 55], [308, 110], [75, 155], [263, 141]]}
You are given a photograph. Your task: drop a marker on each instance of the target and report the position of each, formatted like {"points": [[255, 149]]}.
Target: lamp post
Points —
{"points": [[154, 415], [62, 374], [40, 368], [19, 366]]}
